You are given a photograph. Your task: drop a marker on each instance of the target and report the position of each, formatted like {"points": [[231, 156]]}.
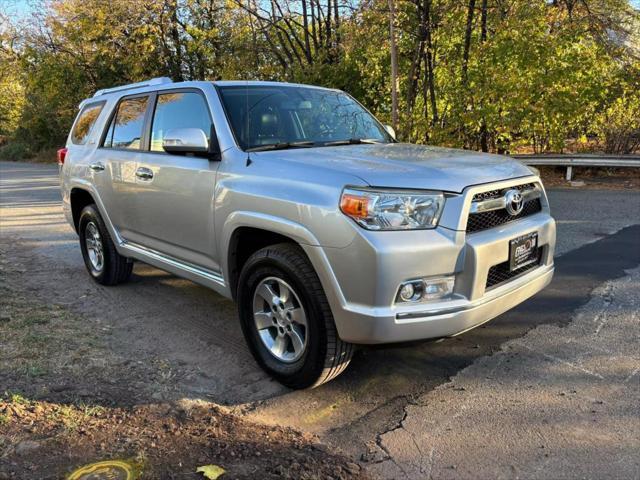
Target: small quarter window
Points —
{"points": [[126, 127], [179, 110], [86, 120]]}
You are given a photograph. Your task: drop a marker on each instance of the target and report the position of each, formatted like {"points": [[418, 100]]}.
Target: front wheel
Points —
{"points": [[286, 318]]}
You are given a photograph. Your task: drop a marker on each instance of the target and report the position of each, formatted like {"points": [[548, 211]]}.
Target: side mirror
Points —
{"points": [[391, 131], [182, 141]]}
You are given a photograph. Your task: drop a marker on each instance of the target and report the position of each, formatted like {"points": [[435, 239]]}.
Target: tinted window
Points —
{"points": [[86, 120], [126, 127], [265, 115], [179, 110]]}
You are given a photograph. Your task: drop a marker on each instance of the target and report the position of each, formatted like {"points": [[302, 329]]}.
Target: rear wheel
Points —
{"points": [[101, 258], [286, 318]]}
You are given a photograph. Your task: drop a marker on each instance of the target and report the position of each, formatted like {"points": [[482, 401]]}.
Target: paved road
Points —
{"points": [[197, 330]]}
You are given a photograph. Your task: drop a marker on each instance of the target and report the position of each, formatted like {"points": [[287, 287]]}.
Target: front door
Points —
{"points": [[174, 205]]}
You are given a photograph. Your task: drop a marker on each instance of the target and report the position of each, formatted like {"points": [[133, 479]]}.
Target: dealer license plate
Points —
{"points": [[523, 251]]}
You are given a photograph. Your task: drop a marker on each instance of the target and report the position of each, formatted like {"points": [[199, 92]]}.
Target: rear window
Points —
{"points": [[126, 126], [86, 120]]}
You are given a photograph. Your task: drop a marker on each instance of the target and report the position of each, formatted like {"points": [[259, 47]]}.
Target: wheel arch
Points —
{"points": [[79, 198], [81, 192], [247, 232]]}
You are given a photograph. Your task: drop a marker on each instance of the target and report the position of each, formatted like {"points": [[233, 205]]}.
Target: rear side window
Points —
{"points": [[86, 120], [179, 110], [126, 126]]}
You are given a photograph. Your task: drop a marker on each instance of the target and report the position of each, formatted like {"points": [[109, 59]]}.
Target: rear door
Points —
{"points": [[114, 164], [175, 193]]}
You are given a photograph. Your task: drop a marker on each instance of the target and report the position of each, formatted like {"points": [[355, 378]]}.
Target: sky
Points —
{"points": [[22, 8]]}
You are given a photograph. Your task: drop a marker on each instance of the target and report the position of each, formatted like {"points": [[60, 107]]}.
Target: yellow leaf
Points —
{"points": [[212, 472]]}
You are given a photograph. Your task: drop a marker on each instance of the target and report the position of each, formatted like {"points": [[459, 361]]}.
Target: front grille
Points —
{"points": [[499, 274], [478, 197], [493, 218]]}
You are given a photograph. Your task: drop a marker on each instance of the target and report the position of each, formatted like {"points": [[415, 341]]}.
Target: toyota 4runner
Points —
{"points": [[298, 204]]}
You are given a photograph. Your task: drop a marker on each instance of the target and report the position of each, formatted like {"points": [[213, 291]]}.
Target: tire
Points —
{"points": [[105, 265], [324, 356]]}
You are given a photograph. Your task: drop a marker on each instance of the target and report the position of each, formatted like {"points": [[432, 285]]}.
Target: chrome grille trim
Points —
{"points": [[529, 192], [488, 209]]}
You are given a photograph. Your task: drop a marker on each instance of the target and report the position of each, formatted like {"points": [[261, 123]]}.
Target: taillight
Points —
{"points": [[62, 153]]}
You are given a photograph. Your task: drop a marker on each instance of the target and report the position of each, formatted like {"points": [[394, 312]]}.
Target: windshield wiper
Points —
{"points": [[350, 141], [281, 146]]}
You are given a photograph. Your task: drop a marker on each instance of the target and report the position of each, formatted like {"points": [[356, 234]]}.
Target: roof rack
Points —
{"points": [[130, 86]]}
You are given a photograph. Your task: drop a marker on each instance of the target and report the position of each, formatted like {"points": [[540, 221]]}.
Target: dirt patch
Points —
{"points": [[596, 178], [49, 352], [67, 399], [46, 440]]}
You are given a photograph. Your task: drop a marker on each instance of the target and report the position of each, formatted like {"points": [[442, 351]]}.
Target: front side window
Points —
{"points": [[86, 120], [263, 115], [179, 110], [126, 127]]}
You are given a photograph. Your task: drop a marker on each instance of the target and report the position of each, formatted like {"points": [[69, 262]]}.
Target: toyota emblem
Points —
{"points": [[514, 202]]}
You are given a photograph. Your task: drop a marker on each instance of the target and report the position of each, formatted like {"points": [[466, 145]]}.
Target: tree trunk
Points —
{"points": [[483, 22], [328, 23], [305, 23], [336, 17], [416, 63], [314, 35], [484, 133], [467, 40], [320, 26], [431, 55], [394, 65], [175, 38]]}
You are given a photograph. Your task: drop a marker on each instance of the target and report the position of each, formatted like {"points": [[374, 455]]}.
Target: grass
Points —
{"points": [[39, 318], [35, 339], [16, 398], [35, 370]]}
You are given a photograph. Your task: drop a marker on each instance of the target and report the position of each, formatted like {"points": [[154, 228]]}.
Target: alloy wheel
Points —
{"points": [[280, 319], [95, 249]]}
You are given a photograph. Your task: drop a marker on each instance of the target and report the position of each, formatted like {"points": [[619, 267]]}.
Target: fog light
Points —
{"points": [[407, 291], [425, 289]]}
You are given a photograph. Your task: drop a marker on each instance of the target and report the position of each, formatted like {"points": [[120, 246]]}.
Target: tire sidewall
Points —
{"points": [[90, 214], [311, 363]]}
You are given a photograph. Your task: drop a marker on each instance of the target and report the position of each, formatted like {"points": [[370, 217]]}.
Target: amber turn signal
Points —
{"points": [[354, 205]]}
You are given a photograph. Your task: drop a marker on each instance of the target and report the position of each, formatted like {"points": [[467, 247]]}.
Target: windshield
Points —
{"points": [[282, 116]]}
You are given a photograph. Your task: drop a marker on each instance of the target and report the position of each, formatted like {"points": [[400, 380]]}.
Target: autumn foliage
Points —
{"points": [[495, 75]]}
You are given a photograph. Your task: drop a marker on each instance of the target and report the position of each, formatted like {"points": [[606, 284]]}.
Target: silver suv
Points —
{"points": [[298, 204]]}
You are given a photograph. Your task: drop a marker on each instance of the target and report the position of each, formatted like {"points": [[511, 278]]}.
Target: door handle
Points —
{"points": [[97, 167], [144, 173]]}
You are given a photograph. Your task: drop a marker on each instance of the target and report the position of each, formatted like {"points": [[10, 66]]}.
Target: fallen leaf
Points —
{"points": [[212, 472]]}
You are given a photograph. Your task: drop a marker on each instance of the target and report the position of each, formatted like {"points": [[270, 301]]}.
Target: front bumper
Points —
{"points": [[361, 281], [369, 328]]}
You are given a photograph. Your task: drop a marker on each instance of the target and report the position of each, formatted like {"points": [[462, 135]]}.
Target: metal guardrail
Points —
{"points": [[580, 160]]}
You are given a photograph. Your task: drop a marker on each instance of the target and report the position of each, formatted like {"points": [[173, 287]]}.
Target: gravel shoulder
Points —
{"points": [[68, 398]]}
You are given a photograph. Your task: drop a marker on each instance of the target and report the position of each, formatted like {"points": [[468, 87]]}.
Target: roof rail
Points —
{"points": [[145, 83]]}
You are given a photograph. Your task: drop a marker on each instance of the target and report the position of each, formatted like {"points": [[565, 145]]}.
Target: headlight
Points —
{"points": [[392, 209]]}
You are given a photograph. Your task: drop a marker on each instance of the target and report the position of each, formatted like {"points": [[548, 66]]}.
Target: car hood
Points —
{"points": [[401, 165]]}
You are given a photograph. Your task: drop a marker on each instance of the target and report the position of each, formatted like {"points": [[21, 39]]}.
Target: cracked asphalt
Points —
{"points": [[508, 400], [559, 402]]}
